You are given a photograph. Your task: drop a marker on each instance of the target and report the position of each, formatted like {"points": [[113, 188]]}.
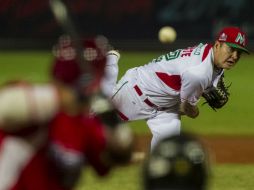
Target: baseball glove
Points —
{"points": [[217, 97]]}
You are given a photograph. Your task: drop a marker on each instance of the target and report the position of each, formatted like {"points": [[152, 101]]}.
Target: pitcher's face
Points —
{"points": [[225, 57]]}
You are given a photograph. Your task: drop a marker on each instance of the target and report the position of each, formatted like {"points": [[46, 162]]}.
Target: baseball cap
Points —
{"points": [[233, 37]]}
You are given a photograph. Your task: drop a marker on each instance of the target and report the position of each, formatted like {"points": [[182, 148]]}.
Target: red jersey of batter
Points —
{"points": [[79, 134], [83, 135]]}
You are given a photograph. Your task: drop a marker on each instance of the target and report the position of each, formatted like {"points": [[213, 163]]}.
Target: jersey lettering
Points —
{"points": [[187, 52], [198, 49], [169, 56], [172, 55], [180, 52]]}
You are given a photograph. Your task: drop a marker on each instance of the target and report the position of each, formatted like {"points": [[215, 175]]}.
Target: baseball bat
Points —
{"points": [[63, 18]]}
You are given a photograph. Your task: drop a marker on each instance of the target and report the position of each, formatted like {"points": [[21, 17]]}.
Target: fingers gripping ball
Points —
{"points": [[167, 34]]}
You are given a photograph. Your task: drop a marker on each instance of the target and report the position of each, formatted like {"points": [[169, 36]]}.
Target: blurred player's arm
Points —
{"points": [[119, 145], [67, 164], [24, 104], [119, 137]]}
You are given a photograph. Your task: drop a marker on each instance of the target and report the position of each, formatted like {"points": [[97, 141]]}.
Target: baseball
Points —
{"points": [[167, 34]]}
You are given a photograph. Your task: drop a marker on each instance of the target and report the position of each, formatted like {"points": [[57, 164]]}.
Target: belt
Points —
{"points": [[146, 100]]}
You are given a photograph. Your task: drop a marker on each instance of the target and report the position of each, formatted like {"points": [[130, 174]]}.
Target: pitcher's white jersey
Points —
{"points": [[154, 91], [180, 75]]}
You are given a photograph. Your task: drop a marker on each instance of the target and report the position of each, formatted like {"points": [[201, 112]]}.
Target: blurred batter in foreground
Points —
{"points": [[47, 134]]}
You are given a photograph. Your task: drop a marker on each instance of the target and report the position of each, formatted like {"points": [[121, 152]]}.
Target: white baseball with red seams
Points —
{"points": [[154, 91]]}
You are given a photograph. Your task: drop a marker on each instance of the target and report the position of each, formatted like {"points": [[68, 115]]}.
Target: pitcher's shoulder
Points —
{"points": [[206, 52]]}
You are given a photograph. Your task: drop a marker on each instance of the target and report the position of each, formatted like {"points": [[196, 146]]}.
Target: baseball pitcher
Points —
{"points": [[171, 85]]}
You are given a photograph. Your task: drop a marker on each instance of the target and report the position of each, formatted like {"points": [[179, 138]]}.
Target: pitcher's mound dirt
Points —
{"points": [[222, 149]]}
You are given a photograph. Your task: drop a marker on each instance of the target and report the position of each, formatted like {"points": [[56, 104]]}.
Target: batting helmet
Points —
{"points": [[83, 72], [177, 163]]}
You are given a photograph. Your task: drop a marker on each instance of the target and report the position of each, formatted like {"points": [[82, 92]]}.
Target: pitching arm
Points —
{"points": [[191, 91]]}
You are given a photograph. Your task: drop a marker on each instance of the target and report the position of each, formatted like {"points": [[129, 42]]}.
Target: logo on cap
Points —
{"points": [[240, 38], [223, 37]]}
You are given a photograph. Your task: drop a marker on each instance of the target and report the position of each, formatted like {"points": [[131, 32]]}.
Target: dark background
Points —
{"points": [[127, 23]]}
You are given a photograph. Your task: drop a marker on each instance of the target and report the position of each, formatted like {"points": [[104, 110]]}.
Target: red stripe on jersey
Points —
{"points": [[206, 51], [173, 81], [149, 103], [122, 116], [138, 90]]}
